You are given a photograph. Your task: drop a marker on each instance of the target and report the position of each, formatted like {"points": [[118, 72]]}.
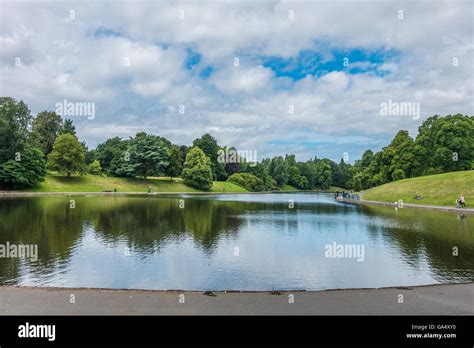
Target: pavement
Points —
{"points": [[449, 299], [408, 205]]}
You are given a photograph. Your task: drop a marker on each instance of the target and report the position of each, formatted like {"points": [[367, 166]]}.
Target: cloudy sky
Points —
{"points": [[303, 77]]}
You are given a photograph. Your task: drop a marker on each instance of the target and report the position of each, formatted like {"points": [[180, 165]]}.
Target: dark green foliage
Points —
{"points": [[45, 130], [111, 154], [175, 165], [278, 169], [15, 120], [68, 127], [28, 169], [148, 156]]}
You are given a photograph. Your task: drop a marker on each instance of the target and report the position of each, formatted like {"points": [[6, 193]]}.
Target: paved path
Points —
{"points": [[407, 205], [423, 300]]}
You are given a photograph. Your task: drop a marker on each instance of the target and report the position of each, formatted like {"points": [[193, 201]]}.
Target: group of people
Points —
{"points": [[347, 195], [460, 202]]}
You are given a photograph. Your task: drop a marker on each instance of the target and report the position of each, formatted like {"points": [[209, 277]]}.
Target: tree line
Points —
{"points": [[30, 146]]}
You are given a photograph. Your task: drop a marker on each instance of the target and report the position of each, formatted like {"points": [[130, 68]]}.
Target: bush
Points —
{"points": [[26, 170], [94, 168], [248, 181], [398, 174]]}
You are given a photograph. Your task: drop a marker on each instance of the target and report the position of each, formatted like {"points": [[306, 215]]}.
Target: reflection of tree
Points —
{"points": [[46, 222], [147, 223], [429, 235]]}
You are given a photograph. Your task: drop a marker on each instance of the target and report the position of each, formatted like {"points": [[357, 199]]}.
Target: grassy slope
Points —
{"points": [[290, 188], [441, 189], [90, 183]]}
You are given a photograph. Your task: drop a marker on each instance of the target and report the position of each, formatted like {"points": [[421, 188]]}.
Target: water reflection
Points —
{"points": [[279, 246]]}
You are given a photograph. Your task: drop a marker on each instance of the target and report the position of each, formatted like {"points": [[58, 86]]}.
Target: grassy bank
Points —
{"points": [[91, 183], [441, 189], [291, 188]]}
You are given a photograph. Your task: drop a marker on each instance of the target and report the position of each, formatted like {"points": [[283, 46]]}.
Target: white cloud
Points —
{"points": [[62, 58]]}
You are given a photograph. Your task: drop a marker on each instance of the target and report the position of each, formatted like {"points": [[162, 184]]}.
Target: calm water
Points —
{"points": [[244, 241]]}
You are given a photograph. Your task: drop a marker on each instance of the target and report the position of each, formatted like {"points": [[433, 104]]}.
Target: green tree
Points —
{"points": [[68, 127], [15, 120], [323, 174], [27, 170], [278, 169], [110, 154], [260, 170], [197, 170], [208, 144], [94, 168], [175, 165], [45, 130], [445, 144], [67, 156], [148, 155], [295, 178]]}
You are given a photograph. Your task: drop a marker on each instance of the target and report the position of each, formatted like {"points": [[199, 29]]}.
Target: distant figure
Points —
{"points": [[461, 203], [149, 189]]}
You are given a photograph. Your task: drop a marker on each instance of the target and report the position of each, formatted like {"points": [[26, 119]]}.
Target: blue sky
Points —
{"points": [[291, 91]]}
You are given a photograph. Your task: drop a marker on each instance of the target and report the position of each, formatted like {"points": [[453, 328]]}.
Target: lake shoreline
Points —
{"points": [[447, 299], [22, 193], [408, 205]]}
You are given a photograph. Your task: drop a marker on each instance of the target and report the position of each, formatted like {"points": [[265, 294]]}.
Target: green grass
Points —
{"points": [[336, 188], [288, 187], [441, 189], [91, 183]]}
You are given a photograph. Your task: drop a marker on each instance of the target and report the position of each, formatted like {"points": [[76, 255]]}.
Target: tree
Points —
{"points": [[260, 170], [67, 156], [278, 169], [110, 154], [295, 178], [94, 168], [323, 174], [68, 127], [148, 155], [208, 144], [175, 165], [15, 120], [27, 170], [45, 130], [445, 144], [197, 170]]}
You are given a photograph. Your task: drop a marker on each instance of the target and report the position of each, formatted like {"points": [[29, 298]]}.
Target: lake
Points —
{"points": [[230, 242]]}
